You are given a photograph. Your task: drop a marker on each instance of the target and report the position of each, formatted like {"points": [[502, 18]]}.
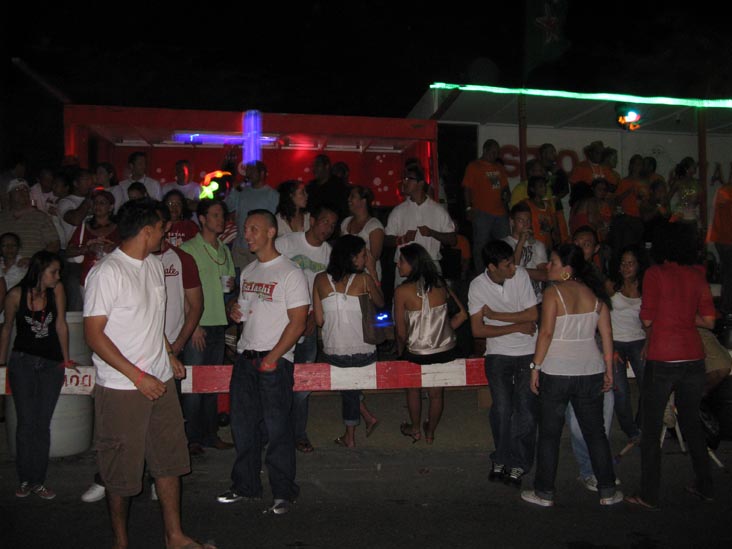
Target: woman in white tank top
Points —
{"points": [[629, 336], [569, 368], [350, 273]]}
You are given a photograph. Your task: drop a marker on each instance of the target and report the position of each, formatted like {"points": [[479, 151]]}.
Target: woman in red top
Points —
{"points": [[676, 300], [97, 236]]}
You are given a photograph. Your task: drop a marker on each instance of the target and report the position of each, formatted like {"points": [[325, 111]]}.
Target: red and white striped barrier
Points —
{"points": [[390, 374]]}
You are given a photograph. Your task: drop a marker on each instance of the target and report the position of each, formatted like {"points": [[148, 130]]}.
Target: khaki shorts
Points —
{"points": [[131, 430]]}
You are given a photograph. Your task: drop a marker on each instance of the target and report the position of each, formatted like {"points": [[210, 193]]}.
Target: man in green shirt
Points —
{"points": [[206, 345]]}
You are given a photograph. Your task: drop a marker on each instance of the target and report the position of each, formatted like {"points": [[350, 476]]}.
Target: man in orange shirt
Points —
{"points": [[590, 169], [487, 194], [720, 233]]}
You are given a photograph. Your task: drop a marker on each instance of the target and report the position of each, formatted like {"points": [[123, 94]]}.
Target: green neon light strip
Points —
{"points": [[621, 98]]}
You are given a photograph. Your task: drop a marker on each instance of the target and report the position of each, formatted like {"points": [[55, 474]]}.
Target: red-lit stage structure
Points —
{"points": [[375, 149]]}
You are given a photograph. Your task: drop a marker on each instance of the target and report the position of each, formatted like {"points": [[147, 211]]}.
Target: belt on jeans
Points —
{"points": [[254, 354]]}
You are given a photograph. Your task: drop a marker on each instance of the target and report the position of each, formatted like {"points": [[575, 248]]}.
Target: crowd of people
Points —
{"points": [[563, 304]]}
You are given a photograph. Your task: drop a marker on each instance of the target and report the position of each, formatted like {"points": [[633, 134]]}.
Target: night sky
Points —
{"points": [[369, 59]]}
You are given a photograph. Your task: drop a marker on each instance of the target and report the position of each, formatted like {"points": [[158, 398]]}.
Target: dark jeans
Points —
{"points": [[200, 410], [586, 396], [36, 385], [486, 227], [514, 410], [725, 266], [686, 381], [629, 351], [256, 398], [351, 400], [305, 352]]}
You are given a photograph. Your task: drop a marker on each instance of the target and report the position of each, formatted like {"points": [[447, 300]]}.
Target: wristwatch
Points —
{"points": [[535, 366]]}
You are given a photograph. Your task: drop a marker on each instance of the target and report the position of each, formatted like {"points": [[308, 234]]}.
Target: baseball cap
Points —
{"points": [[18, 183]]}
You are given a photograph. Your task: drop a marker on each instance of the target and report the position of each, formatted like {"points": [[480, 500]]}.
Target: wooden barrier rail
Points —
{"points": [[390, 374]]}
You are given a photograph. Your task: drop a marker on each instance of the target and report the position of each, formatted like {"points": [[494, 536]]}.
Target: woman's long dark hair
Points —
{"points": [[423, 267], [39, 262], [286, 206], [642, 259], [571, 256], [345, 248]]}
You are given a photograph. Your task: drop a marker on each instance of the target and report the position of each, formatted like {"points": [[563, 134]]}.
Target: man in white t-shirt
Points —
{"points": [[137, 163], [418, 219], [311, 252], [503, 309], [183, 309], [72, 211], [137, 418], [527, 251], [273, 303]]}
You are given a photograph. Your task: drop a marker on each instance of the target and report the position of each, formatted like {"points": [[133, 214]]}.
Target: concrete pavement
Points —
{"points": [[385, 493]]}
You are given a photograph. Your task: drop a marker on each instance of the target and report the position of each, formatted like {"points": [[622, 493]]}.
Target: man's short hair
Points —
{"points": [[318, 211], [586, 229], [134, 215], [269, 216], [496, 251], [414, 166], [205, 204], [520, 207], [260, 166], [134, 156]]}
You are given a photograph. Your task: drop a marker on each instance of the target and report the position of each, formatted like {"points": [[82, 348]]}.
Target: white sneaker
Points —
{"points": [[95, 492], [153, 492], [588, 482], [617, 497], [532, 497]]}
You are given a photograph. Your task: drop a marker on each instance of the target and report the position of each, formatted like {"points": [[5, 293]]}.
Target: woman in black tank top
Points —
{"points": [[40, 352]]}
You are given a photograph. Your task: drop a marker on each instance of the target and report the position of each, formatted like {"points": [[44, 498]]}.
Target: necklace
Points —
{"points": [[205, 248]]}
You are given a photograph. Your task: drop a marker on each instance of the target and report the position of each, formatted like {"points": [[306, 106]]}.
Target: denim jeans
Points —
{"points": [[586, 396], [486, 227], [514, 410], [305, 352], [200, 410], [36, 385], [686, 381], [579, 446], [629, 351], [725, 266], [256, 398], [351, 400]]}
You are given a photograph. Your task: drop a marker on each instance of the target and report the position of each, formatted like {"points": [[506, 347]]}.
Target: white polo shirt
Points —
{"points": [[514, 295], [409, 215]]}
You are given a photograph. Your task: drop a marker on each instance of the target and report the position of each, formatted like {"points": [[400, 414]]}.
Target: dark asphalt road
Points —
{"points": [[386, 493]]}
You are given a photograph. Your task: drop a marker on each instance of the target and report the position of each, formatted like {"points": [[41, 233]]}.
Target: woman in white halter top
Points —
{"points": [[569, 368]]}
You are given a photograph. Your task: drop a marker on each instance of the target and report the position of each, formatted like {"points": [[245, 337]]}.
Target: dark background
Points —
{"points": [[357, 58]]}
